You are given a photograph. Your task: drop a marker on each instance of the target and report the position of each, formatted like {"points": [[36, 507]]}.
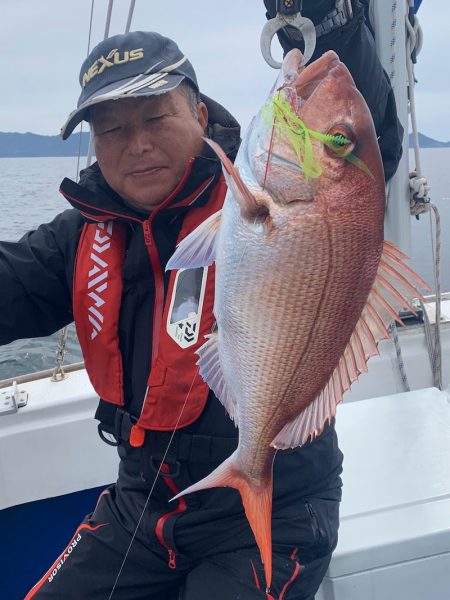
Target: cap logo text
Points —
{"points": [[113, 58]]}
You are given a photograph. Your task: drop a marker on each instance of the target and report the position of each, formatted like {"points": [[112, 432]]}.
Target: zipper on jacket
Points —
{"points": [[159, 285], [315, 526], [153, 253], [159, 529]]}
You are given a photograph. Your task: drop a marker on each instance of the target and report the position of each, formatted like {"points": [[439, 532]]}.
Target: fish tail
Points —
{"points": [[257, 501]]}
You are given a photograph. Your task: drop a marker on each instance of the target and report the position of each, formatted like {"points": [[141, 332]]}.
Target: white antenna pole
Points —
{"points": [[108, 19], [130, 16], [390, 36]]}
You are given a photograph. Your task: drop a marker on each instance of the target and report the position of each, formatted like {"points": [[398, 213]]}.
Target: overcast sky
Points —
{"points": [[43, 43]]}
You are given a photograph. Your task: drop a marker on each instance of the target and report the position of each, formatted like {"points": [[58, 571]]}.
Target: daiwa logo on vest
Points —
{"points": [[98, 276], [186, 306], [112, 59]]}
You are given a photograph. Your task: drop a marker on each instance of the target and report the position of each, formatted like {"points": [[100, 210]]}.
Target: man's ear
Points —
{"points": [[202, 115]]}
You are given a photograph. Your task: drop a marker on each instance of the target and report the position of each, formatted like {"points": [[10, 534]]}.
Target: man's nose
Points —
{"points": [[139, 141]]}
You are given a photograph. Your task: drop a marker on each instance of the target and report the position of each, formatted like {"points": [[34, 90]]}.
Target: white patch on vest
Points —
{"points": [[98, 276], [186, 304]]}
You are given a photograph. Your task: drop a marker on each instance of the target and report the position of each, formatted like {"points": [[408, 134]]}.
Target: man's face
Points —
{"points": [[143, 144]]}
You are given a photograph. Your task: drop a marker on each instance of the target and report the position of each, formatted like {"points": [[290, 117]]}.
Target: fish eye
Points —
{"points": [[339, 141]]}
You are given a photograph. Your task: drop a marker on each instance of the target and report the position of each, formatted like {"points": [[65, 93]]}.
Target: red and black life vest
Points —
{"points": [[97, 297]]}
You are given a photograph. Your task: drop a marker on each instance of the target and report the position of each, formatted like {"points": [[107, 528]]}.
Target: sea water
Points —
{"points": [[29, 196]]}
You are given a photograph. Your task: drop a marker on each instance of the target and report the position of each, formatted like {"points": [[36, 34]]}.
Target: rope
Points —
{"points": [[419, 188], [58, 372], [419, 200], [393, 41], [434, 344], [428, 333], [437, 354], [398, 350]]}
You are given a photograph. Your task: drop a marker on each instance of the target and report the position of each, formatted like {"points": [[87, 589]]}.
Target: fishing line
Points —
{"points": [[151, 490]]}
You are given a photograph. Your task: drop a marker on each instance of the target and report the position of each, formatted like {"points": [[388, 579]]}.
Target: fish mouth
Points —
{"points": [[309, 78]]}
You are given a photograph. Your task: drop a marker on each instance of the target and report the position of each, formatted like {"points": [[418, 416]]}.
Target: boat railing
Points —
{"points": [[47, 373]]}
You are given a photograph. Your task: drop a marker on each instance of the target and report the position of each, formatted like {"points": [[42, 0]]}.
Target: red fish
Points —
{"points": [[306, 286]]}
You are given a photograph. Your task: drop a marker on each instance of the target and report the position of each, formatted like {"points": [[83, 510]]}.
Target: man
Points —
{"points": [[103, 264]]}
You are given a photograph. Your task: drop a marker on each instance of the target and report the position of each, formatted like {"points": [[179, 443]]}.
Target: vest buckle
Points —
{"points": [[137, 436]]}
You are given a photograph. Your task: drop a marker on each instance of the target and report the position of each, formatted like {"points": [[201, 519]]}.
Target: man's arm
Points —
{"points": [[354, 45], [36, 279]]}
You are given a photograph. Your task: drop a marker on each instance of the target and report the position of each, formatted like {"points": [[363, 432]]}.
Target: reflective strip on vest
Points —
{"points": [[97, 295]]}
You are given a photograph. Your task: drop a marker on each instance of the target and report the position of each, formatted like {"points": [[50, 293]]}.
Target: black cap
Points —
{"points": [[140, 63]]}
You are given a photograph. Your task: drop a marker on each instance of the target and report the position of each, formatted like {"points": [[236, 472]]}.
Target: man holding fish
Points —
{"points": [[277, 305]]}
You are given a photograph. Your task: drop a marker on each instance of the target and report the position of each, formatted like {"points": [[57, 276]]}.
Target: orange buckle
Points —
{"points": [[137, 436]]}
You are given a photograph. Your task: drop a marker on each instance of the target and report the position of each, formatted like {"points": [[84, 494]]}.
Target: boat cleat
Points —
{"points": [[11, 399]]}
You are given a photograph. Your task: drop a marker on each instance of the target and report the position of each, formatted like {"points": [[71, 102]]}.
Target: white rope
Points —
{"points": [[412, 49], [393, 42], [419, 200], [58, 371]]}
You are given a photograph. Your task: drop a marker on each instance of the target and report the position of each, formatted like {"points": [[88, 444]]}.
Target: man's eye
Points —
{"points": [[108, 130], [154, 119]]}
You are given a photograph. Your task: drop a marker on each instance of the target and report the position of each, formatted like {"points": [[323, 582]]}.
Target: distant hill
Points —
{"points": [[427, 142], [31, 144]]}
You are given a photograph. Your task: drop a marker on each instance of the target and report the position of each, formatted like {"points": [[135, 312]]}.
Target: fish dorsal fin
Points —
{"points": [[211, 371], [198, 249], [247, 202], [394, 287]]}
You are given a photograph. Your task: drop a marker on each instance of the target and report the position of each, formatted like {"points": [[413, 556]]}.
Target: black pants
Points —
{"points": [[212, 549]]}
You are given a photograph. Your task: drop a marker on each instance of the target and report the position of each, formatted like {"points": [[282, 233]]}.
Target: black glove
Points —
{"points": [[316, 10]]}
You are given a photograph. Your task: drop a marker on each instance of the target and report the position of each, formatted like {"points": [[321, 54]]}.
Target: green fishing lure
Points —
{"points": [[279, 114]]}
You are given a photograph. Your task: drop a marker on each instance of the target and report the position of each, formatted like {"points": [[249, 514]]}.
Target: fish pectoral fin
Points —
{"points": [[250, 208], [394, 286], [198, 249], [211, 371]]}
